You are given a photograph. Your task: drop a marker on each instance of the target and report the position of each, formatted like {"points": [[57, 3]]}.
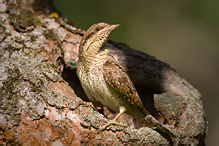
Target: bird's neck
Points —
{"points": [[93, 57]]}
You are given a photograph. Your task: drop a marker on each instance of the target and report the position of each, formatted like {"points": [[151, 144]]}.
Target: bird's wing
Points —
{"points": [[119, 80]]}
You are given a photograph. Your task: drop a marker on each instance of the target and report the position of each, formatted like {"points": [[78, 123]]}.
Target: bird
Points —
{"points": [[105, 81]]}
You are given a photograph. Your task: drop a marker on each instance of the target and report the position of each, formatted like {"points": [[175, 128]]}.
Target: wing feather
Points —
{"points": [[119, 80]]}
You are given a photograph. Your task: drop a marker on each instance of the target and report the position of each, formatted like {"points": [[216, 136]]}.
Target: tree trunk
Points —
{"points": [[41, 97]]}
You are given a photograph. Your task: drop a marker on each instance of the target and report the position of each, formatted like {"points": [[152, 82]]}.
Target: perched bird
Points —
{"points": [[105, 81]]}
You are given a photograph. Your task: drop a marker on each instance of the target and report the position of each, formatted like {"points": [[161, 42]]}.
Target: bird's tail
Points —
{"points": [[150, 119]]}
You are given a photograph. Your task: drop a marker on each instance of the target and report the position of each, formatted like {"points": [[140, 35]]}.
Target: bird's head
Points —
{"points": [[95, 37]]}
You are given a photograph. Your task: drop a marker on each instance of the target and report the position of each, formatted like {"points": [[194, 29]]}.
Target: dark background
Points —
{"points": [[185, 34]]}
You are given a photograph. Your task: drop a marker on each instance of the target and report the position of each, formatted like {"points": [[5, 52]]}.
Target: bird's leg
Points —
{"points": [[122, 109], [150, 119]]}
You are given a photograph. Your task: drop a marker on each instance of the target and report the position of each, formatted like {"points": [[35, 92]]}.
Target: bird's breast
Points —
{"points": [[96, 87]]}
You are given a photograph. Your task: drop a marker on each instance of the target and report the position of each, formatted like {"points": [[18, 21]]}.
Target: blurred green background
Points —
{"points": [[183, 33]]}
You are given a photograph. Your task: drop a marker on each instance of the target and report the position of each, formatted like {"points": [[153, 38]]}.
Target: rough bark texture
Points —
{"points": [[39, 89]]}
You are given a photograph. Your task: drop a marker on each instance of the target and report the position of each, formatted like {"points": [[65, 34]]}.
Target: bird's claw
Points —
{"points": [[112, 122]]}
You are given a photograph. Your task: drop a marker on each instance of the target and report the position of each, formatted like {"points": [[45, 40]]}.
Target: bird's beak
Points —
{"points": [[112, 27]]}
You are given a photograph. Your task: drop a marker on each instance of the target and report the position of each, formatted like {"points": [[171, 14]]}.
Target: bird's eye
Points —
{"points": [[97, 29]]}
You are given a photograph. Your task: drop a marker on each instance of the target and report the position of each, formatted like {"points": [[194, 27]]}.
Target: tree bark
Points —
{"points": [[41, 97]]}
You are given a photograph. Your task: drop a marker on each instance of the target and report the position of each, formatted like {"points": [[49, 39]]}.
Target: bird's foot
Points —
{"points": [[112, 122]]}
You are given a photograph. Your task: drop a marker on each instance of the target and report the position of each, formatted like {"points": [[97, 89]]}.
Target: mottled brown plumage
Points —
{"points": [[104, 80], [119, 80]]}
